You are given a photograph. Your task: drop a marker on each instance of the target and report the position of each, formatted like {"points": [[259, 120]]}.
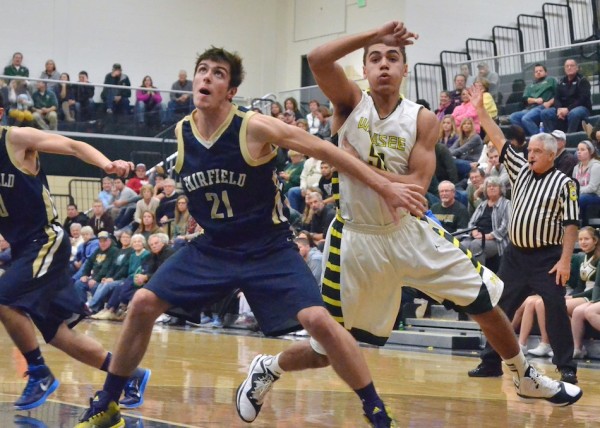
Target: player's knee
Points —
{"points": [[145, 304], [319, 361], [318, 323]]}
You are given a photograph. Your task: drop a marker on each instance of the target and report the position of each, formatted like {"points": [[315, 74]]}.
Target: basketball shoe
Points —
{"points": [[252, 392], [134, 390], [379, 417], [103, 413], [40, 385], [536, 386]]}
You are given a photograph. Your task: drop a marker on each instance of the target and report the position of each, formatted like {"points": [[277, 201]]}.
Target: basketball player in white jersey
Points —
{"points": [[369, 256]]}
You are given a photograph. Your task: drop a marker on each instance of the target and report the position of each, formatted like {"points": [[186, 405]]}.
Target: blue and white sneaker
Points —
{"points": [[40, 385], [536, 386], [134, 390]]}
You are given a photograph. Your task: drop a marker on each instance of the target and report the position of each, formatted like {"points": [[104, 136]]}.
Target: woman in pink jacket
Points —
{"points": [[464, 111], [148, 102]]}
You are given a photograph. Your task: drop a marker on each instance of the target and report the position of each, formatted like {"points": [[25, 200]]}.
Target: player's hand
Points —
{"points": [[404, 196], [475, 96], [119, 167], [396, 34], [563, 272]]}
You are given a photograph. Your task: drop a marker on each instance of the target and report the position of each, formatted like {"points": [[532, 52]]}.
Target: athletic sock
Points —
{"points": [[106, 363], [369, 398], [517, 364], [113, 385], [34, 358], [273, 365]]}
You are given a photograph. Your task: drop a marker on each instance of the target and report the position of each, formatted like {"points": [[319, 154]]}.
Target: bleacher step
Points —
{"points": [[442, 323], [450, 340]]}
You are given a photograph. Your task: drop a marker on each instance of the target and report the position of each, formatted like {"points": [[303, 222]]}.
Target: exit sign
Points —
{"points": [[361, 3]]}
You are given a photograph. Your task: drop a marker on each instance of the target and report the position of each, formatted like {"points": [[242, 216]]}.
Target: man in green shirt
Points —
{"points": [[537, 97], [15, 68], [45, 106]]}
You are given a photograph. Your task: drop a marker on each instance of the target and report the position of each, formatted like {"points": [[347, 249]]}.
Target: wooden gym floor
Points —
{"points": [[195, 373]]}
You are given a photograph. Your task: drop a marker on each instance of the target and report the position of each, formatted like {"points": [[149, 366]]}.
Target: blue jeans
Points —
{"points": [[463, 167], [296, 199], [141, 111], [122, 107], [529, 120], [574, 118], [103, 291], [174, 108], [587, 200]]}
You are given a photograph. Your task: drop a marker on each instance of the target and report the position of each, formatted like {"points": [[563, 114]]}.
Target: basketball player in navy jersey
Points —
{"points": [[37, 289], [369, 255], [226, 161]]}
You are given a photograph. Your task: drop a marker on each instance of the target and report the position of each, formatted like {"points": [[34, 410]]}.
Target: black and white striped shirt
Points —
{"points": [[541, 203]]}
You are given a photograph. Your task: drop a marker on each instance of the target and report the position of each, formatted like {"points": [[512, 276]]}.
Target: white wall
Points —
{"points": [[158, 37]]}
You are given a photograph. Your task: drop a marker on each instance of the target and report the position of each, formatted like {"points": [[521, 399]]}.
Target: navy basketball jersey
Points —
{"points": [[26, 209], [235, 198]]}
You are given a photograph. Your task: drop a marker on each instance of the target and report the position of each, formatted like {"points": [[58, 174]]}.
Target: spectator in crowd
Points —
{"points": [[101, 220], [465, 110], [84, 251], [140, 178], [16, 67], [45, 106], [323, 114], [276, 109], [312, 256], [184, 227], [488, 100], [180, 103], [291, 174], [446, 106], [445, 166], [448, 135], [147, 203], [460, 83], [492, 77], [311, 118], [587, 174], [572, 101], [74, 216], [20, 103], [84, 98], [564, 161], [75, 239], [496, 169], [116, 99], [490, 219], [97, 266], [5, 255], [65, 95], [166, 209], [106, 195], [115, 275], [467, 149], [288, 117], [123, 204], [291, 104], [148, 103], [516, 137], [50, 73], [124, 290], [322, 216], [585, 274], [309, 179], [475, 193], [303, 124], [465, 70], [516, 96], [325, 185], [452, 214], [537, 97], [148, 225]]}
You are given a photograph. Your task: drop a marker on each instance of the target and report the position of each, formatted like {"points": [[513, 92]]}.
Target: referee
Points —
{"points": [[542, 232]]}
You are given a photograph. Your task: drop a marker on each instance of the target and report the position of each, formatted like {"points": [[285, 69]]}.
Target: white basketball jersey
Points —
{"points": [[385, 142]]}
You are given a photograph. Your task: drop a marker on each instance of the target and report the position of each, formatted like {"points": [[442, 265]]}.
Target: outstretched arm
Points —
{"points": [[25, 142], [265, 130], [493, 131], [330, 76]]}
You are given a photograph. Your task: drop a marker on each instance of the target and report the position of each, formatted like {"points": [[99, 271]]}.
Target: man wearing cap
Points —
{"points": [[116, 100], [98, 266], [490, 76], [565, 162], [537, 97], [135, 183]]}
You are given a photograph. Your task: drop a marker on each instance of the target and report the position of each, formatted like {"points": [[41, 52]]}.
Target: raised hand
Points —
{"points": [[475, 96], [396, 34], [119, 167]]}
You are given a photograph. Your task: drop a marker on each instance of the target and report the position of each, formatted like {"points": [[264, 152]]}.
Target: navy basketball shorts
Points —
{"points": [[277, 283], [38, 283]]}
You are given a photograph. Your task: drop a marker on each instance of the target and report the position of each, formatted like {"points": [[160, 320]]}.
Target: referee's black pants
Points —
{"points": [[525, 272]]}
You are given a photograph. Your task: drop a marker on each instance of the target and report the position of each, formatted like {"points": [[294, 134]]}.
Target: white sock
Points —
{"points": [[273, 365], [517, 364]]}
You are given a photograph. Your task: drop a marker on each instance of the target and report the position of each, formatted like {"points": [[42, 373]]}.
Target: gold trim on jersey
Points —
{"points": [[448, 237], [46, 254], [277, 215], [180, 151], [331, 278], [13, 158], [217, 134], [244, 143]]}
